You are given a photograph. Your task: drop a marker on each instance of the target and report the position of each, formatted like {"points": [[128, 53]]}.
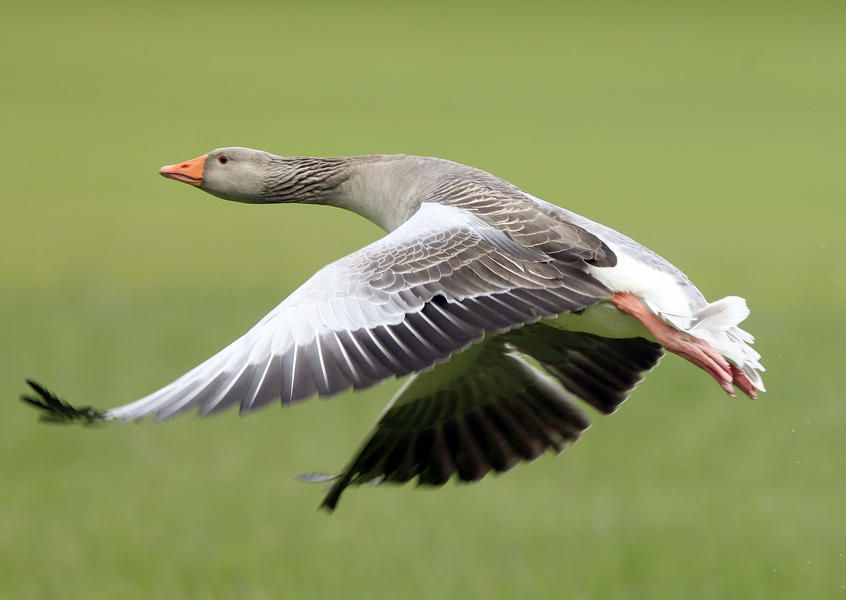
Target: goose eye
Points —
{"points": [[222, 159]]}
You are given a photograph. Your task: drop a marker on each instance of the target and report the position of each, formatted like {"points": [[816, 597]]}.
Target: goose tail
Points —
{"points": [[718, 323]]}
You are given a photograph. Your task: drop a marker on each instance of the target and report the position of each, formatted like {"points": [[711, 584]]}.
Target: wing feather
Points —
{"points": [[427, 290], [490, 408]]}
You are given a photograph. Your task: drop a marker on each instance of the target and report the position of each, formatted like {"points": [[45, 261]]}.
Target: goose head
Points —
{"points": [[239, 174]]}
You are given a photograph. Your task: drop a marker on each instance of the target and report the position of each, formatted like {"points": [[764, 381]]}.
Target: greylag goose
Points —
{"points": [[506, 311]]}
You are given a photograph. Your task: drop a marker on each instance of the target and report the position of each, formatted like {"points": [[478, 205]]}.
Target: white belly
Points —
{"points": [[659, 289]]}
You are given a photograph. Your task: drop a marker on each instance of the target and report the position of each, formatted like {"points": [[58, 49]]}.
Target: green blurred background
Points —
{"points": [[715, 134]]}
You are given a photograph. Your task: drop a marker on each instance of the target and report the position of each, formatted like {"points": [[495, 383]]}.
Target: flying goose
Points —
{"points": [[507, 312]]}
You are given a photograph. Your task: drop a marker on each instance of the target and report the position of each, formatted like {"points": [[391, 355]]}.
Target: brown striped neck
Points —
{"points": [[385, 189], [303, 179]]}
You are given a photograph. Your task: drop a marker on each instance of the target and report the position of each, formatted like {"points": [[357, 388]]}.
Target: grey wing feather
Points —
{"points": [[427, 290]]}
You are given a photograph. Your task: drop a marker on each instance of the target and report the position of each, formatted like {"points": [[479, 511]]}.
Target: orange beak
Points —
{"points": [[190, 172]]}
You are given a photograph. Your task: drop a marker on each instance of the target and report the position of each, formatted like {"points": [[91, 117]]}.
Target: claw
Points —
{"points": [[742, 381]]}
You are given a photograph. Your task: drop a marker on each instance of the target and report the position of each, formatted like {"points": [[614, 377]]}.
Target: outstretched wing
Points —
{"points": [[489, 408], [430, 288]]}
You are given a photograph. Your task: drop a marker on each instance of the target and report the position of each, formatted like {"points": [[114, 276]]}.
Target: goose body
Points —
{"points": [[507, 312]]}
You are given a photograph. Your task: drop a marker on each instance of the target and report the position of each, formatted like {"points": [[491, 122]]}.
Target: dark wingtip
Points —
{"points": [[330, 502], [54, 410]]}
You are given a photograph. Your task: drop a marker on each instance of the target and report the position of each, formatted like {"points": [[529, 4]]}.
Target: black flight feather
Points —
{"points": [[54, 410]]}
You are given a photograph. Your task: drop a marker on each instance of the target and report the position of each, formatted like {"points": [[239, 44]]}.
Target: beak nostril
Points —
{"points": [[184, 166]]}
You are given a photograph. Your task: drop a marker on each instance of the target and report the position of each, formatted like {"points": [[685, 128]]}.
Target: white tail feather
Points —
{"points": [[717, 323], [721, 315]]}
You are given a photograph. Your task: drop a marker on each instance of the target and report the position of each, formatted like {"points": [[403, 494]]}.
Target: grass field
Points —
{"points": [[715, 135]]}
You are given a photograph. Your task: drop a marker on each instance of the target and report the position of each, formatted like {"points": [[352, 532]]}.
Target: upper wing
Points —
{"points": [[530, 222], [428, 289], [489, 408]]}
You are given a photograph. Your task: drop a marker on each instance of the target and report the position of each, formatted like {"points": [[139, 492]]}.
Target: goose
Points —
{"points": [[508, 314]]}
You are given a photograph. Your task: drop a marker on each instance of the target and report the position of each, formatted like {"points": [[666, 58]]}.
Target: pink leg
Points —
{"points": [[685, 345]]}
